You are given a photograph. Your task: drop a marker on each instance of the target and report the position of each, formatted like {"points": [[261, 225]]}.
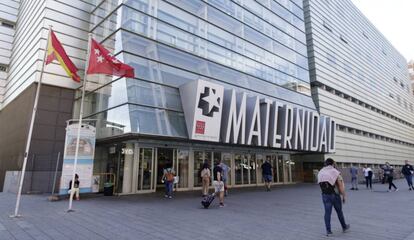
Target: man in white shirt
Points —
{"points": [[368, 176]]}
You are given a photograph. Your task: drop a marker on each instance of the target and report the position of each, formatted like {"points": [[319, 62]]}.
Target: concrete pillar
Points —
{"points": [[128, 167]]}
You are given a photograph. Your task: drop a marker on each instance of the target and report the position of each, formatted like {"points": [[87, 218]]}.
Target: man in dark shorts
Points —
{"points": [[267, 174]]}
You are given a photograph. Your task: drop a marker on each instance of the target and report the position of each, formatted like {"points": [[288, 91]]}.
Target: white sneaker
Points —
{"points": [[396, 190]]}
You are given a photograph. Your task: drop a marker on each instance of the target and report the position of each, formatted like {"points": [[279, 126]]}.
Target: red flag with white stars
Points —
{"points": [[102, 61]]}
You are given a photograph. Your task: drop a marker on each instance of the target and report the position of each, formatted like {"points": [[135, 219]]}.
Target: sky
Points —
{"points": [[394, 19]]}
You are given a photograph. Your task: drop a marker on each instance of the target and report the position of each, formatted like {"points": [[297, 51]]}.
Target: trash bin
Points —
{"points": [[108, 189]]}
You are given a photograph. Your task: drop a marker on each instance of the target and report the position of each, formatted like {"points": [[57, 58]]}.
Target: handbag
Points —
{"points": [[176, 179]]}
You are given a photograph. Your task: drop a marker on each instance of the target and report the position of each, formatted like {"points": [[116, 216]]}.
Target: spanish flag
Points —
{"points": [[55, 51]]}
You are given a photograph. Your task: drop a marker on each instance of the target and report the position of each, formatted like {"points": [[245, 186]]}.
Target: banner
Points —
{"points": [[84, 167]]}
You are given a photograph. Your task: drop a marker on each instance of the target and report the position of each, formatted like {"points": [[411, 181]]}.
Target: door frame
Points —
{"points": [[137, 163]]}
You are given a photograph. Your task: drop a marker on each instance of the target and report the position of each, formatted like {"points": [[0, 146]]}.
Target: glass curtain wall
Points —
{"points": [[253, 46]]}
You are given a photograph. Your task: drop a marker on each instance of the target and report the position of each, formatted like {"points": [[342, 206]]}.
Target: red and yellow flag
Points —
{"points": [[55, 51]]}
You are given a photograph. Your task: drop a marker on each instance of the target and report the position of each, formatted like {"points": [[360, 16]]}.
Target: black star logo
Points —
{"points": [[209, 102]]}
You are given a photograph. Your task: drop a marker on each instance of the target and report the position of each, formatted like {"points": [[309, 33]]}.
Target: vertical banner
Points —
{"points": [[84, 167]]}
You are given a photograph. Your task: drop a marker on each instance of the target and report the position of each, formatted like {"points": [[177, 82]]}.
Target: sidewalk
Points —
{"points": [[287, 212]]}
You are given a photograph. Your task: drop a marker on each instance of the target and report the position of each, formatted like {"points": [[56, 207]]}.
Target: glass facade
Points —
{"points": [[138, 166], [257, 47]]}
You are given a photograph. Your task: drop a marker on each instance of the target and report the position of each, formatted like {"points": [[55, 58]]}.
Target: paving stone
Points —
{"points": [[287, 212]]}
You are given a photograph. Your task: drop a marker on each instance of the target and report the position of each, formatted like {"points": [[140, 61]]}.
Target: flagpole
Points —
{"points": [[29, 137], [79, 123]]}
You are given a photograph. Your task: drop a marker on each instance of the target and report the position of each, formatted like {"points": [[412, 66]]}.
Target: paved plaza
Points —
{"points": [[287, 212]]}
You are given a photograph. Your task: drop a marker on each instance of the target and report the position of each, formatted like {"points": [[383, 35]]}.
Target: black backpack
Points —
{"points": [[327, 188]]}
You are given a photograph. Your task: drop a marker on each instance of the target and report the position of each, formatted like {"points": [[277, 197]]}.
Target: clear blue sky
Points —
{"points": [[394, 19]]}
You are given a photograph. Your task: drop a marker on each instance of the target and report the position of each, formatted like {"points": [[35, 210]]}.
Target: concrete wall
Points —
{"points": [[55, 108]]}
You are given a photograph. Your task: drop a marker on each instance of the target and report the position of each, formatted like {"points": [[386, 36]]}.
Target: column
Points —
{"points": [[128, 154]]}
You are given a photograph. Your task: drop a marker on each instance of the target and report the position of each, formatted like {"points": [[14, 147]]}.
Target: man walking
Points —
{"points": [[267, 174], [389, 176], [354, 180], [407, 171], [332, 186], [368, 176], [226, 170]]}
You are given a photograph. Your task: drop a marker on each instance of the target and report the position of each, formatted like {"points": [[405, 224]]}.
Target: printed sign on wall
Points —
{"points": [[215, 114], [84, 167], [202, 102]]}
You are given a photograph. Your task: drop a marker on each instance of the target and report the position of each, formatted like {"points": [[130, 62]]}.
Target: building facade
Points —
{"points": [[255, 48], [411, 74], [23, 35], [360, 79], [236, 81]]}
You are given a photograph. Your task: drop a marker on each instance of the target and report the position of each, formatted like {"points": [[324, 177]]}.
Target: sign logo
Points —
{"points": [[200, 127], [209, 102]]}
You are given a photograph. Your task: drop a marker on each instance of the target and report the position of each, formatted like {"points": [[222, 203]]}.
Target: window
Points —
{"points": [[331, 58], [327, 25], [3, 68], [7, 24], [395, 79], [343, 39]]}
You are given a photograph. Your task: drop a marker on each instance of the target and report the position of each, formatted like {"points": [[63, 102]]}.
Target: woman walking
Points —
{"points": [[205, 177], [168, 179]]}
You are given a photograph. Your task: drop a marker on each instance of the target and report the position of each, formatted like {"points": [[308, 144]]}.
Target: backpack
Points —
{"points": [[169, 176], [327, 188]]}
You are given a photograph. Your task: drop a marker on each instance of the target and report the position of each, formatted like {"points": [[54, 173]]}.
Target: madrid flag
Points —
{"points": [[55, 51], [102, 61]]}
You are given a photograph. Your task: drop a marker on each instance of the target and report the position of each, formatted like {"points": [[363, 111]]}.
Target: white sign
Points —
{"points": [[202, 103], [213, 114], [86, 151]]}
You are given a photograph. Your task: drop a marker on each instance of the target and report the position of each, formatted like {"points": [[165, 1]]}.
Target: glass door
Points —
{"points": [[226, 159], [252, 169], [280, 168], [166, 158], [183, 168], [260, 161], [198, 166], [287, 168], [242, 166], [146, 170]]}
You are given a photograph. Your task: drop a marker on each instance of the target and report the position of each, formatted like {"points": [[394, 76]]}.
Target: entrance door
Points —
{"points": [[260, 161], [166, 157], [146, 171], [242, 168]]}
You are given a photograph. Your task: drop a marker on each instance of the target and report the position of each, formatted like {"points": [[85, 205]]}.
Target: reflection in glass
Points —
{"points": [[226, 159], [145, 168], [198, 166], [252, 168], [242, 167], [183, 161], [260, 161], [281, 170]]}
